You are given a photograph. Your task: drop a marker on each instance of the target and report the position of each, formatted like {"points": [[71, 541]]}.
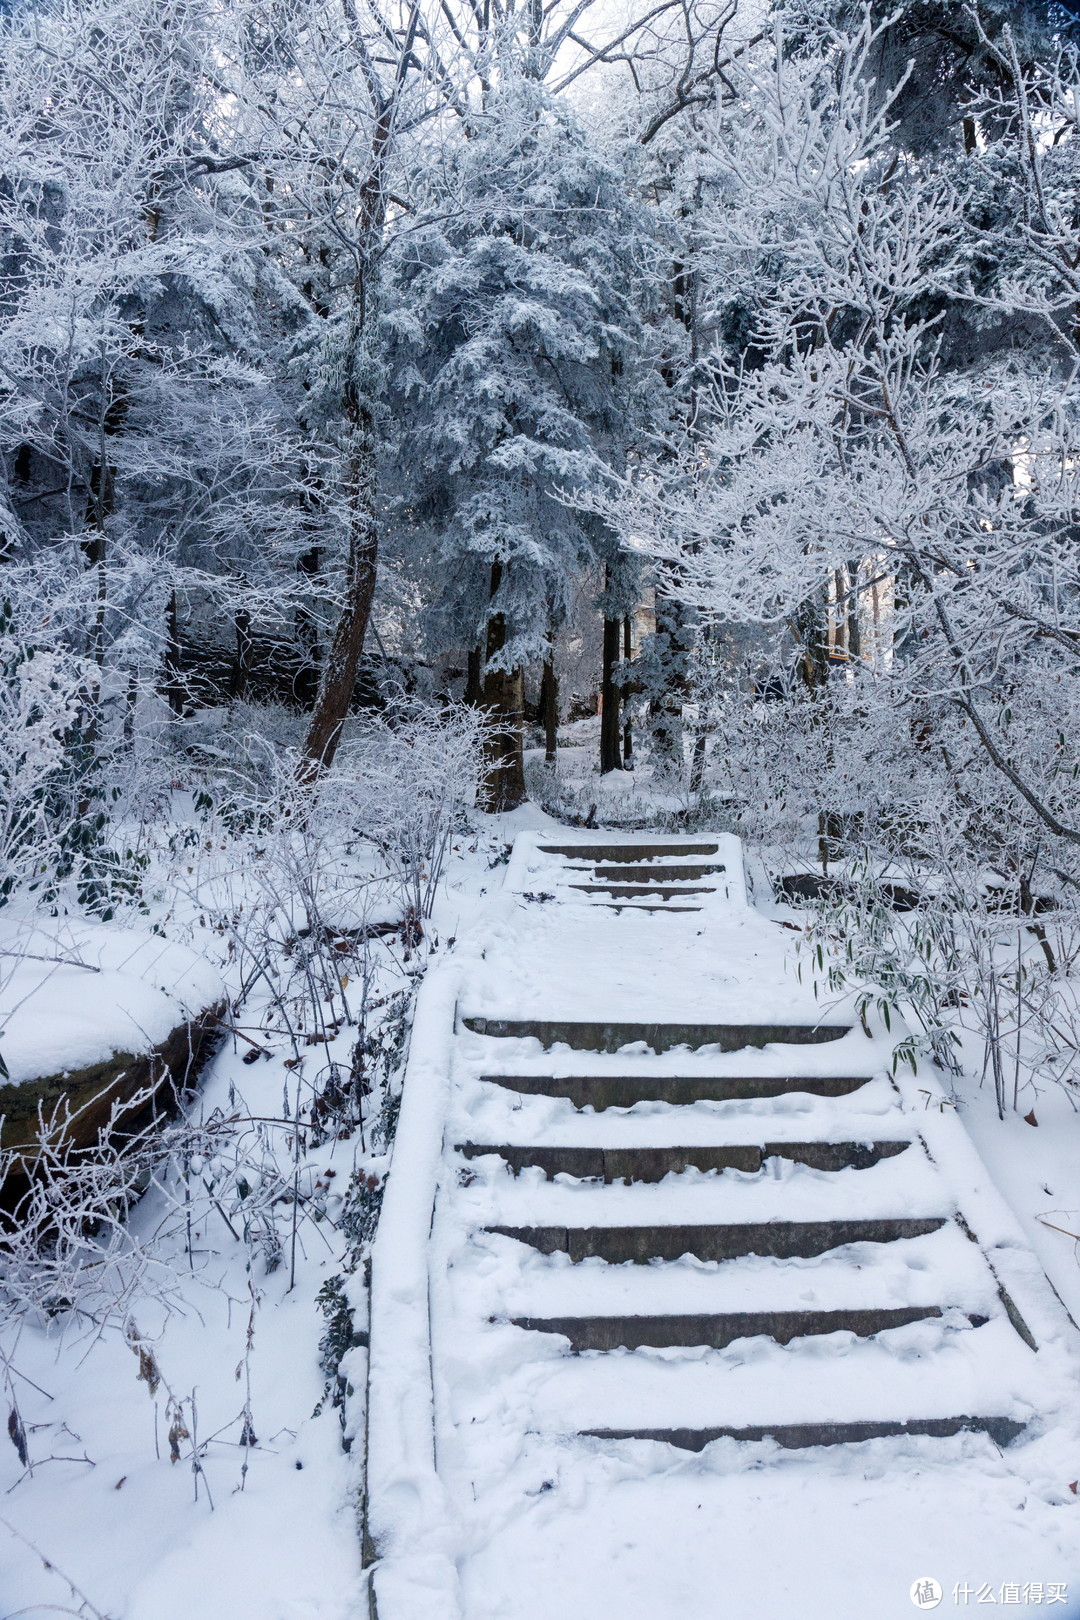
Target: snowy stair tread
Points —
{"points": [[628, 853], [718, 1330], [662, 910], [642, 891], [926, 1369], [795, 1436], [936, 1267], [486, 1114], [687, 873], [896, 1185]]}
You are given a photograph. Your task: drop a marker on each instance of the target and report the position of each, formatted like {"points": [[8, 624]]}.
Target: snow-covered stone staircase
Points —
{"points": [[656, 1227]]}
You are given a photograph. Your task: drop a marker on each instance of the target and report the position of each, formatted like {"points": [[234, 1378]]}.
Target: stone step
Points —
{"points": [[626, 853], [941, 1268], [718, 1331], [605, 1037], [602, 1091], [797, 1436], [935, 1370], [654, 1163], [651, 874], [645, 891], [783, 1240], [664, 910]]}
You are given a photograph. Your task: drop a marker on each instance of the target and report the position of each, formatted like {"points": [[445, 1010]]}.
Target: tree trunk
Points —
{"points": [[854, 634], [474, 676], [697, 763], [504, 780], [338, 679], [627, 736], [130, 707], [610, 749], [174, 684], [665, 710], [503, 697], [306, 680], [241, 667], [809, 626], [549, 710]]}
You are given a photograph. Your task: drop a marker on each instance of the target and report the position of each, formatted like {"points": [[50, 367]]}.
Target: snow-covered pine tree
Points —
{"points": [[518, 369]]}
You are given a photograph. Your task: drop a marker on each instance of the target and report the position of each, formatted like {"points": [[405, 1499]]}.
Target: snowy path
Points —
{"points": [[739, 1330]]}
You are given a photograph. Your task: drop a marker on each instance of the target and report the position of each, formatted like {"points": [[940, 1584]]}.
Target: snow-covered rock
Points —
{"points": [[74, 992]]}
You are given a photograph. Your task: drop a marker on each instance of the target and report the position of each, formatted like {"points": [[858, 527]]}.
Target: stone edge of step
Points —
{"points": [[718, 1329], [596, 1163], [800, 1436], [717, 1241], [613, 1035]]}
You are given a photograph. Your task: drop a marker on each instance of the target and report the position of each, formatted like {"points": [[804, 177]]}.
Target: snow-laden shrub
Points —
{"points": [[39, 705], [300, 875], [56, 785], [921, 895], [65, 1242], [413, 773]]}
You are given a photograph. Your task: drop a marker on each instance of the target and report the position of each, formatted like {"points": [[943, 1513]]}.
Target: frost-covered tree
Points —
{"points": [[518, 362], [147, 421], [335, 114], [848, 438]]}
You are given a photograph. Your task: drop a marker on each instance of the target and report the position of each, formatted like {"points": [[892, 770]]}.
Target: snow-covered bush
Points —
{"points": [[413, 773], [41, 690], [58, 780], [65, 1241]]}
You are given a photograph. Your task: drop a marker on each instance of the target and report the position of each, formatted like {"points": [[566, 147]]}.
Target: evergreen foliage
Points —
{"points": [[518, 363]]}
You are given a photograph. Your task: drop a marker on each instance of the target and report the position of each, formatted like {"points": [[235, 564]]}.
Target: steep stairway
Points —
{"points": [[679, 1206], [732, 1205]]}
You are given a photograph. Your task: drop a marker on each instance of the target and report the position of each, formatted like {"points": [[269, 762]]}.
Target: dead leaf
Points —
{"points": [[149, 1370], [18, 1436], [177, 1433], [1029, 1119]]}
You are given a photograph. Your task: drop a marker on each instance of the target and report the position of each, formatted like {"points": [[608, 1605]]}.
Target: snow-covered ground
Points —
{"points": [[103, 1523]]}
